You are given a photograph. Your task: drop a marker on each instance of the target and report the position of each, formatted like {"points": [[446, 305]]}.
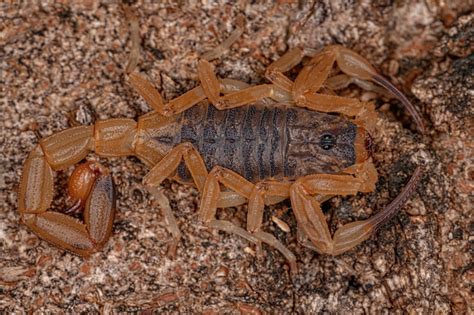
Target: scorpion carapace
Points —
{"points": [[308, 145]]}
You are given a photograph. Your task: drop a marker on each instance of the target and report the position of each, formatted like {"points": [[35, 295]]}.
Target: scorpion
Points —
{"points": [[225, 138]]}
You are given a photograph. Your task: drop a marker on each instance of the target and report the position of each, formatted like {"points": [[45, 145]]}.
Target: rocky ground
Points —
{"points": [[62, 65]]}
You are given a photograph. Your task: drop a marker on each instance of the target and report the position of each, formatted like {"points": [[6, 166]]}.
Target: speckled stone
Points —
{"points": [[62, 64]]}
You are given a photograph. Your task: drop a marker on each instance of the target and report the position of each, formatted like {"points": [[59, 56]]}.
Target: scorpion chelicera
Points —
{"points": [[307, 145]]}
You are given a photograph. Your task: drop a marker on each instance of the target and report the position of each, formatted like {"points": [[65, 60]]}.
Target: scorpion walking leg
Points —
{"points": [[264, 193], [177, 105], [212, 88], [145, 88], [312, 76], [170, 162], [221, 49], [280, 90], [164, 169], [211, 191], [274, 72], [135, 38], [256, 196], [162, 201], [310, 80]]}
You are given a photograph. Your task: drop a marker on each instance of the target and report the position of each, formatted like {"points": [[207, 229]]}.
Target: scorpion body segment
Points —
{"points": [[308, 145], [262, 142]]}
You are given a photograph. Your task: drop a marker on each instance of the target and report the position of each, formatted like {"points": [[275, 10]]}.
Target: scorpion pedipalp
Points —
{"points": [[357, 66], [379, 219]]}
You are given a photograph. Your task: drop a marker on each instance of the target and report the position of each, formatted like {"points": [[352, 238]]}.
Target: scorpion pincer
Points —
{"points": [[307, 144]]}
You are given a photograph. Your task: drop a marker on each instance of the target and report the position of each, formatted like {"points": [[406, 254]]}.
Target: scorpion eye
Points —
{"points": [[327, 142]]}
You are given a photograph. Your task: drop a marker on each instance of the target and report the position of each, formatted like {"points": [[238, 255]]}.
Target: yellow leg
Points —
{"points": [[213, 88], [256, 196], [274, 72], [164, 169]]}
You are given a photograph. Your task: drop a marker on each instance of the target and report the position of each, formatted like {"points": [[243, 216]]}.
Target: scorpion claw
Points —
{"points": [[402, 98], [353, 64], [357, 66], [391, 209], [354, 233]]}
